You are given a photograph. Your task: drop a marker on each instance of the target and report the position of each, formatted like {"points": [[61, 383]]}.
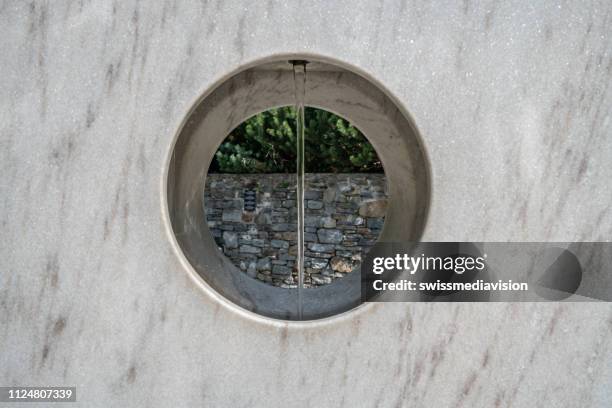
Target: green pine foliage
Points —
{"points": [[266, 143]]}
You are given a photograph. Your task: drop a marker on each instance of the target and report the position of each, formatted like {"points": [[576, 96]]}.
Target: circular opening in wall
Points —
{"points": [[243, 205], [250, 197]]}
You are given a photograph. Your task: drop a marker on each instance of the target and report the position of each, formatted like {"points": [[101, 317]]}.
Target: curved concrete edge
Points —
{"points": [[233, 99]]}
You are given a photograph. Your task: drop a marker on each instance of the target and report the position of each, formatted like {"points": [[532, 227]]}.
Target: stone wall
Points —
{"points": [[253, 219]]}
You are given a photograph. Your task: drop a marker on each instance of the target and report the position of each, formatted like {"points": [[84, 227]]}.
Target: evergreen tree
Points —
{"points": [[266, 143]]}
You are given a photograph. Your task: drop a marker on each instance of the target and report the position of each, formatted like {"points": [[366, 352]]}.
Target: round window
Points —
{"points": [[276, 188]]}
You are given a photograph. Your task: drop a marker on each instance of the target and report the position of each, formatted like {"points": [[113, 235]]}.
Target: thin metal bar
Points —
{"points": [[299, 77]]}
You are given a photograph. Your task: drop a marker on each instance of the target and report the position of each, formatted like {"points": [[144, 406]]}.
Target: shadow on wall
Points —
{"points": [[253, 219]]}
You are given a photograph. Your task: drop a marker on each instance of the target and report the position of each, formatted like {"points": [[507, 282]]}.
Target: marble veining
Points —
{"points": [[513, 102]]}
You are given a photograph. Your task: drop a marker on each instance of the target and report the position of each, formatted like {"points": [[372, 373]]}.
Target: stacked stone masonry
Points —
{"points": [[343, 218]]}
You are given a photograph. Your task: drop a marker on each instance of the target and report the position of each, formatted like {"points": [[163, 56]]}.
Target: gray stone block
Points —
{"points": [[230, 239], [329, 236], [280, 227], [263, 264], [320, 280], [263, 218], [277, 243], [318, 263], [329, 195], [312, 220], [321, 247], [328, 222], [375, 223], [312, 195], [314, 205], [281, 270], [345, 187], [258, 242], [232, 216], [249, 249], [310, 237]]}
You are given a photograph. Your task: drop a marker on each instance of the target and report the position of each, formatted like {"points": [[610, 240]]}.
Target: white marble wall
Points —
{"points": [[514, 104]]}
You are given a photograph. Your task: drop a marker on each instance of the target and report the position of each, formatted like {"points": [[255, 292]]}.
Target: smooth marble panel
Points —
{"points": [[512, 99]]}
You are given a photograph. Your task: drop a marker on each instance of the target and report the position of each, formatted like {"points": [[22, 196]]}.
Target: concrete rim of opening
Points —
{"points": [[333, 86]]}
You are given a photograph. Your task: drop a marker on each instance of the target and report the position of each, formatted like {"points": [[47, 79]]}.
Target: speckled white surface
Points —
{"points": [[513, 102]]}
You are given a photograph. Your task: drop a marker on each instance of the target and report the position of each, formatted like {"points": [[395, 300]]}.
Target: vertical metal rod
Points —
{"points": [[299, 78]]}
